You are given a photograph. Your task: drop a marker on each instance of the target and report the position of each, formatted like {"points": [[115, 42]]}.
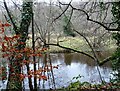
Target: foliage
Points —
{"points": [[13, 47], [116, 36], [67, 27], [116, 64], [116, 12], [81, 86], [9, 50]]}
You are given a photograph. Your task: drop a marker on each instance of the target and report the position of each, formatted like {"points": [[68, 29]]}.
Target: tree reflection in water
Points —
{"points": [[69, 66]]}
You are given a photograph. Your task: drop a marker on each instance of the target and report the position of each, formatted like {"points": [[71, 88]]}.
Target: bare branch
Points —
{"points": [[72, 50], [62, 12], [9, 14], [16, 5], [88, 18], [106, 60]]}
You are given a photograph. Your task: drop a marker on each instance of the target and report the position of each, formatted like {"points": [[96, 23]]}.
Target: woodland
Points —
{"points": [[44, 45]]}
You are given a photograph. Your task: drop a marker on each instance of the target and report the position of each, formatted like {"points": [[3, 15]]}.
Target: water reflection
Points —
{"points": [[70, 65], [73, 64], [69, 58]]}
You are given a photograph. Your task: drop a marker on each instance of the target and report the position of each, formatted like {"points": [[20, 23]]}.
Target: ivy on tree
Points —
{"points": [[67, 28], [116, 36]]}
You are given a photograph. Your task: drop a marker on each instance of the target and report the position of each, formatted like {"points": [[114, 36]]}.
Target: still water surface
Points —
{"points": [[74, 64], [71, 65]]}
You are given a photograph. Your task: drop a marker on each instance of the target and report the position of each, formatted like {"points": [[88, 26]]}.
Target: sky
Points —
{"points": [[20, 1], [60, 0], [9, 2], [44, 0]]}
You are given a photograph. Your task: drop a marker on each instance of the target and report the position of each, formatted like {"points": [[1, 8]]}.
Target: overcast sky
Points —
{"points": [[9, 2], [61, 0], [44, 0], [20, 1]]}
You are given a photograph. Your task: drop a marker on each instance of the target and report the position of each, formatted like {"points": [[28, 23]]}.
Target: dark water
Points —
{"points": [[71, 65], [74, 64]]}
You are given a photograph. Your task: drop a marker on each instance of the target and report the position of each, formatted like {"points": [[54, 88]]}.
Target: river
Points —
{"points": [[71, 65]]}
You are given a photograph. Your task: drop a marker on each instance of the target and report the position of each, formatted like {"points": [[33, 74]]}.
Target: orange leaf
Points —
{"points": [[1, 24], [5, 55], [19, 56], [16, 36], [43, 77], [2, 30], [29, 76], [7, 24], [3, 47], [7, 38], [43, 49], [22, 76], [33, 55], [39, 55]]}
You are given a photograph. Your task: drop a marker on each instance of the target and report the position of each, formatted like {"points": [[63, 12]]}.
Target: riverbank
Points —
{"points": [[79, 44], [76, 43], [86, 86]]}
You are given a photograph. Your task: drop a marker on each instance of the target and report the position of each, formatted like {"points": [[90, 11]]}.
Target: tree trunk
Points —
{"points": [[14, 81]]}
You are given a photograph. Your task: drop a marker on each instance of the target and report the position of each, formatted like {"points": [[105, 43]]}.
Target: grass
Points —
{"points": [[79, 44], [70, 42]]}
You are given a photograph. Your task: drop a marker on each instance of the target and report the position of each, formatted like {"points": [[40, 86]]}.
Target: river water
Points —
{"points": [[71, 65], [74, 64]]}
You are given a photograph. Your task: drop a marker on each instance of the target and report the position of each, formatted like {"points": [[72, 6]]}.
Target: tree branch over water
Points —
{"points": [[72, 50], [89, 19]]}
